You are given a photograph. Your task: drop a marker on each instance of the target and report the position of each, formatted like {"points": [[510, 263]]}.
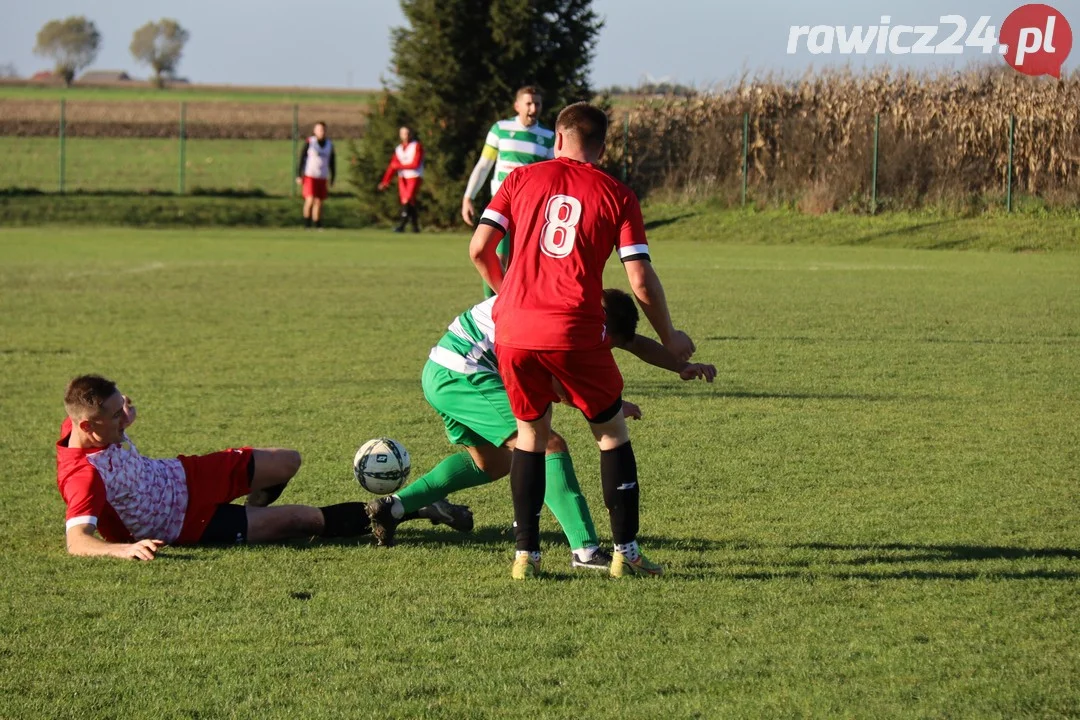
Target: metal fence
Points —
{"points": [[217, 148]]}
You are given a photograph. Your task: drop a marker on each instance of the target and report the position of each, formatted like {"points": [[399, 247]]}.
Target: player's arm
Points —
{"points": [[645, 284], [481, 170], [652, 352], [83, 542], [485, 241], [333, 164], [302, 162], [390, 170]]}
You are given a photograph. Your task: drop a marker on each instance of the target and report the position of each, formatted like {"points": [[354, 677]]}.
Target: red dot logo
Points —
{"points": [[1036, 40]]}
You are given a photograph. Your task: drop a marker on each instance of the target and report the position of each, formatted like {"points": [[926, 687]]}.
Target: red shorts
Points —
{"points": [[408, 189], [591, 379], [315, 188], [212, 479]]}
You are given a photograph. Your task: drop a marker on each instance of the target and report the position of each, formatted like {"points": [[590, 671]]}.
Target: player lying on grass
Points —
{"points": [[461, 381], [138, 504]]}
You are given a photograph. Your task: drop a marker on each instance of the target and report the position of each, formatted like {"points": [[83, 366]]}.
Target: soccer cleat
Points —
{"points": [[524, 567], [443, 512], [383, 522], [621, 567], [600, 560]]}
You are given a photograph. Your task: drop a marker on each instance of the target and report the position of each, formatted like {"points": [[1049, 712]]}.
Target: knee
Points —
{"points": [[556, 444], [290, 463]]}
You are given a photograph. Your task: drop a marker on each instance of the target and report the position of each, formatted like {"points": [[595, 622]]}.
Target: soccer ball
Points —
{"points": [[381, 466]]}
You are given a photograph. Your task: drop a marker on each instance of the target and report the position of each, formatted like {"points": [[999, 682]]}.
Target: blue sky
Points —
{"points": [[345, 43]]}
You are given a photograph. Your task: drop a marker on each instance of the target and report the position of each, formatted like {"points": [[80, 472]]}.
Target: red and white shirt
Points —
{"points": [[407, 162], [564, 218], [126, 496]]}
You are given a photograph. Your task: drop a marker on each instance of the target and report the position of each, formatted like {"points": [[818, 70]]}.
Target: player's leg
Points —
{"points": [[562, 495], [414, 198], [309, 201], [316, 211], [269, 471], [529, 389]]}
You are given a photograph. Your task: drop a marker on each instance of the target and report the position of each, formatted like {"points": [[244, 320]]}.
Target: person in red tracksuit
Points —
{"points": [[408, 162]]}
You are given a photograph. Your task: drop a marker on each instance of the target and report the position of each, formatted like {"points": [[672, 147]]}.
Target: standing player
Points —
{"points": [[137, 504], [317, 166], [565, 218], [510, 143], [408, 163], [461, 382]]}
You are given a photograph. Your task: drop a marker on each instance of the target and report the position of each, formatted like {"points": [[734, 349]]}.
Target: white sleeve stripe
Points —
{"points": [[633, 250], [490, 214], [81, 520]]}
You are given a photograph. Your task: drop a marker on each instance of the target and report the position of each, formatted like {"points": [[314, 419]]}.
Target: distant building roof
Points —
{"points": [[104, 76], [43, 75]]}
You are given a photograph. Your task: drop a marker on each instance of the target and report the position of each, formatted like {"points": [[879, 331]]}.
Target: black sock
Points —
{"points": [[414, 515], [262, 498], [618, 475], [415, 218], [403, 216], [345, 520], [318, 223], [307, 222], [528, 485]]}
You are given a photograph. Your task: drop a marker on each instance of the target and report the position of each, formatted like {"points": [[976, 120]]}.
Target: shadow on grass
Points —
{"points": [[650, 389], [900, 232], [1065, 340], [653, 224]]}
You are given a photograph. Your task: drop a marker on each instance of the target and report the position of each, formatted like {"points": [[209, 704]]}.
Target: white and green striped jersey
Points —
{"points": [[469, 344], [512, 145]]}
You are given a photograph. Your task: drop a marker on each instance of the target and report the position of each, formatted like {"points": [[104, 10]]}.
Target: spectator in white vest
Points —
{"points": [[408, 162], [315, 173]]}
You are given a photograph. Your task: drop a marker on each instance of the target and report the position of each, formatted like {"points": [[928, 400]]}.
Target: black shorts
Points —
{"points": [[228, 526]]}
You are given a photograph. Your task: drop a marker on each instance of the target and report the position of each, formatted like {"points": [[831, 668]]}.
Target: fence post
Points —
{"points": [[873, 185], [63, 135], [1008, 183], [295, 140], [745, 153], [625, 144], [183, 134]]}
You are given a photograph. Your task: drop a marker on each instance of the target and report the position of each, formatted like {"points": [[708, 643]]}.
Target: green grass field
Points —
{"points": [[873, 512]]}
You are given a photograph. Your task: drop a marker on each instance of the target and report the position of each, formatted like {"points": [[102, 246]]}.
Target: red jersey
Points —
{"points": [[126, 495], [564, 218]]}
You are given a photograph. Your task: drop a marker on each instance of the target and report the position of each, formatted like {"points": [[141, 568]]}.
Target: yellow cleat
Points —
{"points": [[621, 567], [524, 568]]}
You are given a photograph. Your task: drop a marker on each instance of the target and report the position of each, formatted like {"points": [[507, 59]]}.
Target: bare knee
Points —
{"points": [[556, 444], [274, 467]]}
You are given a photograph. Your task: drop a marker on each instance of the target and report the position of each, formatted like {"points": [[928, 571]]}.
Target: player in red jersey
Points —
{"points": [[565, 217], [137, 504], [408, 162]]}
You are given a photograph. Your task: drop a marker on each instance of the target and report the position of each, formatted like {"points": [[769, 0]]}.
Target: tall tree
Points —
{"points": [[160, 45], [72, 43], [456, 66]]}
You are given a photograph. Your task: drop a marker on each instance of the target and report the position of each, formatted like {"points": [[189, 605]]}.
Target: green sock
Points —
{"points": [[563, 497], [456, 472]]}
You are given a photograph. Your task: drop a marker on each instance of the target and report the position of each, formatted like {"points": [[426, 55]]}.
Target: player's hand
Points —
{"points": [[630, 410], [680, 345], [697, 371], [142, 550], [383, 186], [299, 181], [468, 212]]}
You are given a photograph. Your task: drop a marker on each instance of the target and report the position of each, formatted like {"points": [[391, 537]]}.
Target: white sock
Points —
{"points": [[397, 509], [629, 551], [586, 553], [534, 556]]}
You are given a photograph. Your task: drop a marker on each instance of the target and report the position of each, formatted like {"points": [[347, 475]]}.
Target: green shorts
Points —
{"points": [[474, 407], [504, 246]]}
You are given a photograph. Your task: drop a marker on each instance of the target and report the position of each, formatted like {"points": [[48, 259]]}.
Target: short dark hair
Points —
{"points": [[586, 122], [86, 394], [320, 122], [622, 314], [527, 90]]}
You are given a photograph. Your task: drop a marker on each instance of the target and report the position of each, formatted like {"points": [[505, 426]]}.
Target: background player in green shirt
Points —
{"points": [[461, 381], [510, 143]]}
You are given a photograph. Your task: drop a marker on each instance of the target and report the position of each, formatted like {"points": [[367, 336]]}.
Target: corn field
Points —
{"points": [[810, 142]]}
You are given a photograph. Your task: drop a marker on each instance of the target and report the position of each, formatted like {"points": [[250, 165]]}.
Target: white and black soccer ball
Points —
{"points": [[381, 466]]}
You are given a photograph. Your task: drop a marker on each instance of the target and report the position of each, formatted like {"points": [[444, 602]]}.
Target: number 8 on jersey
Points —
{"points": [[560, 229]]}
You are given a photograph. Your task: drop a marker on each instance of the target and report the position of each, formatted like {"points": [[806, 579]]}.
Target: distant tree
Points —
{"points": [[160, 45], [456, 66], [8, 70], [72, 43]]}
